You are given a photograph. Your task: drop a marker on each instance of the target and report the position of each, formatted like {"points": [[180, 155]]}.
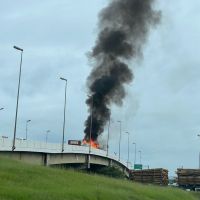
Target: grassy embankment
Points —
{"points": [[19, 181]]}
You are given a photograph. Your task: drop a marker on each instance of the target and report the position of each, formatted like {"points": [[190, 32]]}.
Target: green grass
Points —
{"points": [[19, 181], [197, 195]]}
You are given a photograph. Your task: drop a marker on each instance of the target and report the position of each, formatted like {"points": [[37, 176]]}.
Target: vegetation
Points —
{"points": [[110, 172], [19, 181], [197, 195]]}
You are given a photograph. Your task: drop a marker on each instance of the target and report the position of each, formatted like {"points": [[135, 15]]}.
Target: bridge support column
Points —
{"points": [[88, 161], [110, 163], [46, 159]]}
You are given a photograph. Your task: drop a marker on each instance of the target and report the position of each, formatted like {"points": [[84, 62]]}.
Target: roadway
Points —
{"points": [[50, 153]]}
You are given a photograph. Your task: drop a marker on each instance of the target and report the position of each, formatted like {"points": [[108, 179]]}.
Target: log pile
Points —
{"points": [[150, 176], [188, 177]]}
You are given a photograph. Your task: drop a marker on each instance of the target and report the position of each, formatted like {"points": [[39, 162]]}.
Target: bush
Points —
{"points": [[111, 172]]}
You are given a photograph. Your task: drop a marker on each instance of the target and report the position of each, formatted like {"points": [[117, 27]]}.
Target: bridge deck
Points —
{"points": [[53, 148]]}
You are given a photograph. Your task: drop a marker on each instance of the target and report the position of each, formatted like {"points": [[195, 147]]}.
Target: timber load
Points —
{"points": [[150, 176], [188, 177]]}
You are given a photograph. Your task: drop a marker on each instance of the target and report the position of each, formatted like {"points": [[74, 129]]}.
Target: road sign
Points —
{"points": [[138, 166]]}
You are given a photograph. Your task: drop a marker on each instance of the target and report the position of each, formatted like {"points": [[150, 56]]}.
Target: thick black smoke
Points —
{"points": [[123, 29]]}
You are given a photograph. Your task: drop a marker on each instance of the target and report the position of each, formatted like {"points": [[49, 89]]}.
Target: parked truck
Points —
{"points": [[188, 179]]}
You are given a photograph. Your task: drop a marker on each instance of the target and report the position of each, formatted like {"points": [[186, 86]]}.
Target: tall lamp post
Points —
{"points": [[199, 153], [108, 135], [27, 128], [135, 158], [91, 118], [140, 152], [63, 137], [47, 133], [120, 133], [15, 127], [128, 148], [91, 114], [1, 109]]}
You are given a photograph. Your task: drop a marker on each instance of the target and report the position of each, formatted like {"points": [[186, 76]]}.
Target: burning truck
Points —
{"points": [[93, 144]]}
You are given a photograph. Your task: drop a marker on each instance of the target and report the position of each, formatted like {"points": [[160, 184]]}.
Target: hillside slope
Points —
{"points": [[19, 181]]}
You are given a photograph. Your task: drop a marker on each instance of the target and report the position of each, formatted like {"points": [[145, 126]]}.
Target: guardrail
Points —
{"points": [[36, 146]]}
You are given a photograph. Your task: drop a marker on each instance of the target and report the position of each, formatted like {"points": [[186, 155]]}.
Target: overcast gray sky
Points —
{"points": [[161, 110]]}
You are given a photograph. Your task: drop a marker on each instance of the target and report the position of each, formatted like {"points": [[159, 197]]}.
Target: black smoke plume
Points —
{"points": [[123, 29]]}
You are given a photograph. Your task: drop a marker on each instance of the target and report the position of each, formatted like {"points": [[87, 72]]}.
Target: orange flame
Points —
{"points": [[92, 143]]}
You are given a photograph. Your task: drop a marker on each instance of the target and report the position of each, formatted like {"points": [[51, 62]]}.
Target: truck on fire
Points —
{"points": [[84, 143], [75, 142]]}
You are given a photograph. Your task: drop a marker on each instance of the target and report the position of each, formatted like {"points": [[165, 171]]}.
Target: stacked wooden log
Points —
{"points": [[188, 177], [150, 176]]}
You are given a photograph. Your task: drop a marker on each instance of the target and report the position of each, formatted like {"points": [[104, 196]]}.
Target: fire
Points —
{"points": [[92, 143]]}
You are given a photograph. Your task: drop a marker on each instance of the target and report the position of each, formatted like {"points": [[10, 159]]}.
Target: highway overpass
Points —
{"points": [[49, 154]]}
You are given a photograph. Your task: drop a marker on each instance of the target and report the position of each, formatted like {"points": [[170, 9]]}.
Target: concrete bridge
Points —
{"points": [[49, 154]]}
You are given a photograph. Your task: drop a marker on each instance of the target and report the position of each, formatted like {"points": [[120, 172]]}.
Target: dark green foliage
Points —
{"points": [[111, 172]]}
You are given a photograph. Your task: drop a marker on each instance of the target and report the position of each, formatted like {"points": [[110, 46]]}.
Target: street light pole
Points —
{"points": [[91, 125], [135, 153], [120, 132], [27, 128], [140, 152], [108, 135], [91, 115], [199, 160], [48, 131], [128, 148], [63, 137], [15, 127], [199, 153]]}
